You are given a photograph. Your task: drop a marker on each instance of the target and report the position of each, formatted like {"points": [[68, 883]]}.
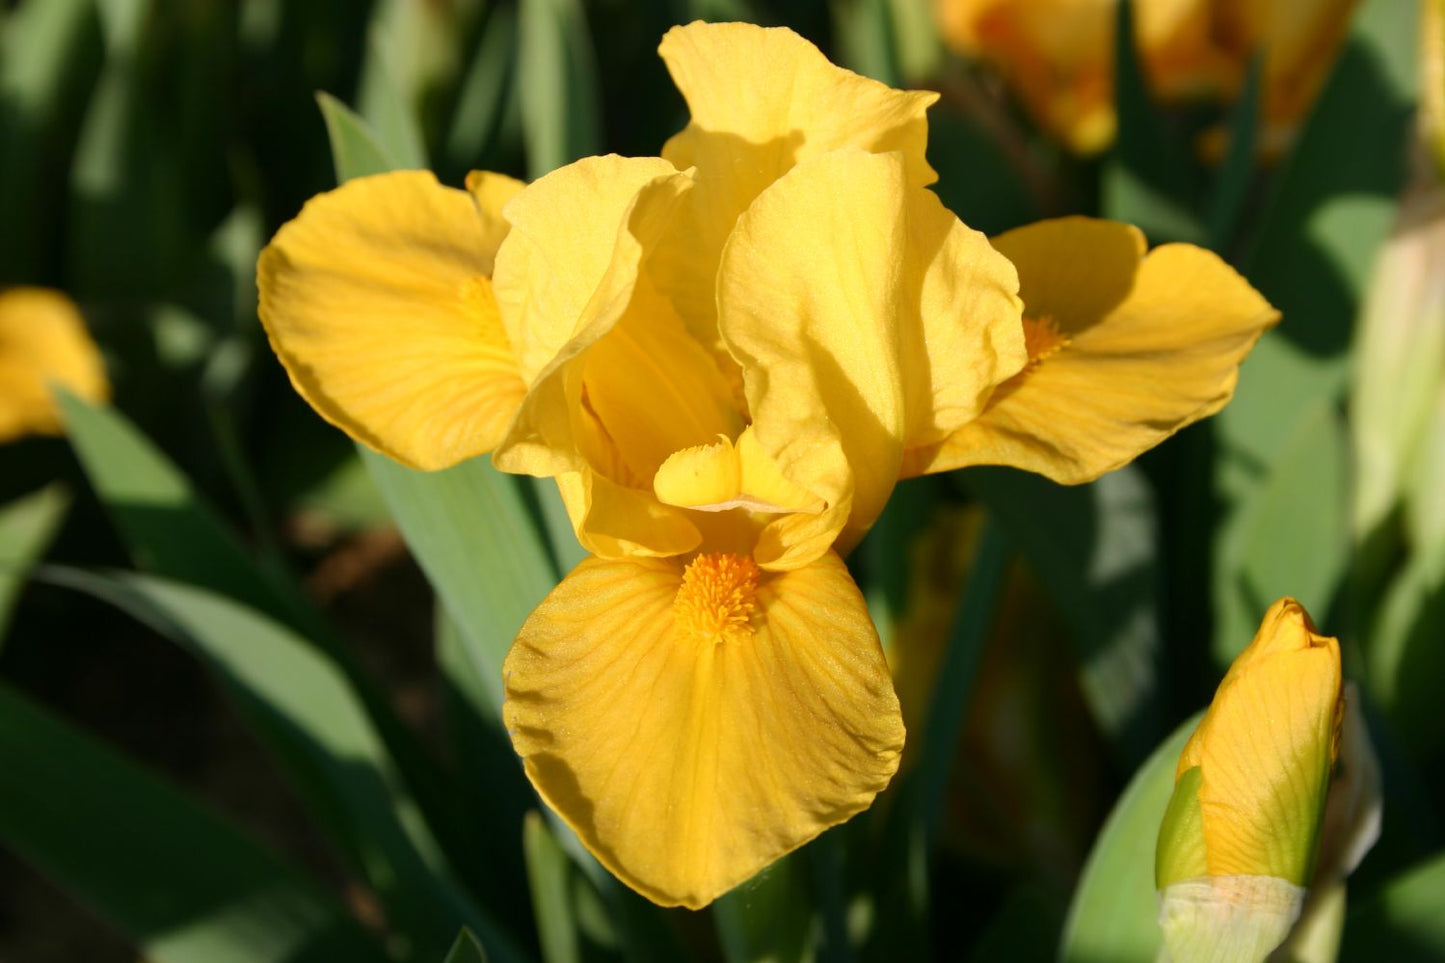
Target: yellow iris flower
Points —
{"points": [[1238, 843], [727, 357], [1058, 55], [43, 342]]}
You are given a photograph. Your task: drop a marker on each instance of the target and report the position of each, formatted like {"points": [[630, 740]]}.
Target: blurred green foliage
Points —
{"points": [[147, 150]]}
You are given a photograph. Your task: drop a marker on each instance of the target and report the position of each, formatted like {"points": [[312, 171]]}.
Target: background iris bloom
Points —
{"points": [[1058, 55], [43, 342]]}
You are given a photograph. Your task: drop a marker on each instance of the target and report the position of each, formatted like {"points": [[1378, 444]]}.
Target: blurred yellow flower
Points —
{"points": [[1239, 840], [1058, 55], [43, 342], [727, 357]]}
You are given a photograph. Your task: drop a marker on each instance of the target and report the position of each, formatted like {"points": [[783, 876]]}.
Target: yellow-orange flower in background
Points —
{"points": [[1058, 55], [43, 342], [727, 357]]}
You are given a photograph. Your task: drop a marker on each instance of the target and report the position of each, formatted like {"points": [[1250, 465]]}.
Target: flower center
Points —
{"points": [[717, 598], [1042, 338]]}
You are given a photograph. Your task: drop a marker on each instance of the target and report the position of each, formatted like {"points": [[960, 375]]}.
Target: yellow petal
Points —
{"points": [[43, 341], [808, 299], [703, 475], [1127, 352], [1265, 750], [763, 484], [654, 388], [723, 476], [377, 299], [959, 320], [574, 250], [762, 100], [597, 339], [1286, 627], [617, 521], [693, 728], [838, 280], [492, 191]]}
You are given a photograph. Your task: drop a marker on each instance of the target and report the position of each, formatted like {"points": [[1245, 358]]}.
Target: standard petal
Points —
{"points": [[43, 341], [693, 728], [598, 341], [377, 298], [1123, 352], [959, 320], [762, 100], [809, 293], [574, 250]]}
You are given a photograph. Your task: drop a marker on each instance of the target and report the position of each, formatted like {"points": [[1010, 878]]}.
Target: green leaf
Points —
{"points": [[307, 715], [1113, 915], [49, 52], [1236, 174], [898, 885], [558, 82], [414, 54], [953, 690], [485, 92], [552, 877], [1025, 927], [26, 527], [1403, 656], [864, 33], [165, 523], [147, 167], [920, 51], [1424, 509], [1322, 228], [466, 949], [355, 151], [769, 919], [1403, 921], [473, 537], [487, 776], [1095, 548], [1291, 537], [36, 38], [384, 103], [1148, 179], [171, 532], [184, 884]]}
